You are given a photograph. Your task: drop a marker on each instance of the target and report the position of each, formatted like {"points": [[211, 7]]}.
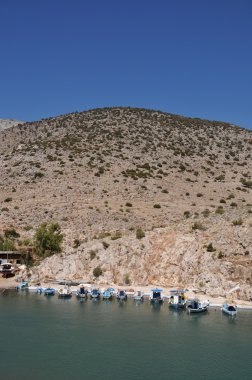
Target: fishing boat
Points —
{"points": [[35, 289], [229, 309], [156, 296], [121, 295], [65, 292], [7, 270], [81, 292], [22, 286], [138, 295], [177, 299], [197, 306], [107, 295], [95, 293], [49, 291]]}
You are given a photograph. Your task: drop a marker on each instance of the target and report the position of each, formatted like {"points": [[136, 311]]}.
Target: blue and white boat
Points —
{"points": [[22, 286], [197, 306], [95, 293], [177, 299], [156, 296], [107, 295], [121, 295], [229, 309], [82, 292], [49, 291]]}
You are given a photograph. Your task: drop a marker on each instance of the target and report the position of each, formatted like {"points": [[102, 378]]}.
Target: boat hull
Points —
{"points": [[195, 311]]}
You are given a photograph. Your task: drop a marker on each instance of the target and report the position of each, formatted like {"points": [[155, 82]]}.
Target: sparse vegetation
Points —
{"points": [[97, 272], [48, 239], [140, 233]]}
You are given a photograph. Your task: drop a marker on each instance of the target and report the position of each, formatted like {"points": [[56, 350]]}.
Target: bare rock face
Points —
{"points": [[106, 174]]}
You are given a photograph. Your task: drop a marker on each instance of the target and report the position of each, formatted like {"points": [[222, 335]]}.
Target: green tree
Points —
{"points": [[48, 239]]}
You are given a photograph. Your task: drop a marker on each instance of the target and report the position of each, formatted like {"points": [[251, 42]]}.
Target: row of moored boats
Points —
{"points": [[177, 298]]}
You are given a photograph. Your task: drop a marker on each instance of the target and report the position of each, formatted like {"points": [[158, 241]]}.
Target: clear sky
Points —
{"points": [[190, 57]]}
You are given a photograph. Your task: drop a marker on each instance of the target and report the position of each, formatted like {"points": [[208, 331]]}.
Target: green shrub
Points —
{"points": [[187, 214], [116, 235], [92, 254], [210, 248], [48, 239], [11, 234], [9, 199], [237, 222], [77, 243], [127, 279], [220, 210], [140, 233], [206, 212], [198, 226], [97, 272], [157, 205]]}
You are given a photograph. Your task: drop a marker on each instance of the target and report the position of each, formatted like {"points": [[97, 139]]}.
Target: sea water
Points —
{"points": [[46, 338]]}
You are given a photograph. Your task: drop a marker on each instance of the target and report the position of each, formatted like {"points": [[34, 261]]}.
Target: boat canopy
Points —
{"points": [[156, 290], [178, 291]]}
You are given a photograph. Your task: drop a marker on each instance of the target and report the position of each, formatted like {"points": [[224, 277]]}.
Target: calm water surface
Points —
{"points": [[48, 338]]}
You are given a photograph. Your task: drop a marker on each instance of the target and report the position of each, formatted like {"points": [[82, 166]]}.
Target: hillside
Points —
{"points": [[7, 123], [103, 174]]}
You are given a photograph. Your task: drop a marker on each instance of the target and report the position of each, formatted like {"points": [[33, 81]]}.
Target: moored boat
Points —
{"points": [[95, 293], [107, 295], [49, 291], [81, 292], [156, 296], [229, 309], [197, 306], [177, 299], [65, 292], [22, 286], [138, 295], [121, 295]]}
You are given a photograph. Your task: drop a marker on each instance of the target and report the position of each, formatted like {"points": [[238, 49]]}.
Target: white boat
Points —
{"points": [[197, 306], [229, 309], [138, 295], [65, 292], [156, 296], [177, 299]]}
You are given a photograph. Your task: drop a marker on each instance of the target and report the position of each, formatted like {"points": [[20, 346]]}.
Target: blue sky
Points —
{"points": [[190, 57]]}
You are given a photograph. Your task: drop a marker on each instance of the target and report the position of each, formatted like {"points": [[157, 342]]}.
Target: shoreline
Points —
{"points": [[11, 283]]}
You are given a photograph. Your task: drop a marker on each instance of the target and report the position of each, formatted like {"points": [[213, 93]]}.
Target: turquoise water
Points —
{"points": [[49, 338]]}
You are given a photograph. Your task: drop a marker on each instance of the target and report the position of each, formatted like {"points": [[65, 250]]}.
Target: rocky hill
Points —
{"points": [[7, 123], [110, 176]]}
